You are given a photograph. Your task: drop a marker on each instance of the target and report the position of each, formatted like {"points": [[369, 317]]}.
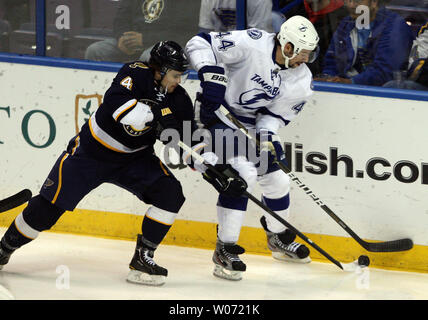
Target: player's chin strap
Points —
{"points": [[385, 246], [287, 59]]}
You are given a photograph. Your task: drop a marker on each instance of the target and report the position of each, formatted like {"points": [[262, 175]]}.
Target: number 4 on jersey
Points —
{"points": [[127, 83], [298, 107], [226, 44]]}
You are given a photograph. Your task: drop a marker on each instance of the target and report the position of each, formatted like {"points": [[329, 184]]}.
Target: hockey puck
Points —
{"points": [[363, 261]]}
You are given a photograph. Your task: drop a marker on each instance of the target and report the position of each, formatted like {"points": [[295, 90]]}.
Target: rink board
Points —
{"points": [[363, 156]]}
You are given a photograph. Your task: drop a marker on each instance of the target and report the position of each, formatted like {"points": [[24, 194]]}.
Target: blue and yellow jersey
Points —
{"points": [[105, 137]]}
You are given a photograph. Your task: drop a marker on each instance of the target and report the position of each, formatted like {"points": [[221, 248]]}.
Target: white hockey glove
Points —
{"points": [[209, 157], [138, 117]]}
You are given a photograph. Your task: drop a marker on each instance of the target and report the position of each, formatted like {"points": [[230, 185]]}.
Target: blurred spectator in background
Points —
{"points": [[367, 52], [325, 15], [418, 60], [15, 12], [220, 15], [417, 74], [414, 12], [409, 3], [290, 8], [139, 24], [127, 44]]}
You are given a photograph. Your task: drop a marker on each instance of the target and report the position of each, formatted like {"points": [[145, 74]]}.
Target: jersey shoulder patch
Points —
{"points": [[254, 34], [138, 64]]}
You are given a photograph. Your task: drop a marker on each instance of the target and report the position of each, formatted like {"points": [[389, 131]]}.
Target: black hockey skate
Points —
{"points": [[143, 270], [283, 246], [227, 263]]}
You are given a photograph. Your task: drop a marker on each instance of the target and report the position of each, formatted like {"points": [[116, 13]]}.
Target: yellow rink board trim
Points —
{"points": [[203, 235]]}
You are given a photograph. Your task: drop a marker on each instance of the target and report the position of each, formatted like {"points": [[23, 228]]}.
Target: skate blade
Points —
{"points": [[5, 294], [139, 277], [223, 273], [284, 257]]}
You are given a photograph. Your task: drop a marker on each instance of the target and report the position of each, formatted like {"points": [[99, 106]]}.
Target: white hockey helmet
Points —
{"points": [[301, 33]]}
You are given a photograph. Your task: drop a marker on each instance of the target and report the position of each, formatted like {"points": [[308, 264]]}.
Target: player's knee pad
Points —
{"points": [[167, 194], [40, 214], [275, 184], [246, 170]]}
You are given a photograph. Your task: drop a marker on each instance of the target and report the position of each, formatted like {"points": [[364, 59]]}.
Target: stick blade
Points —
{"points": [[16, 200], [390, 246]]}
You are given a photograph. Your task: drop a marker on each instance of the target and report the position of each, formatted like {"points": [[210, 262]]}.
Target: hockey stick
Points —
{"points": [[15, 201], [344, 266], [384, 246]]}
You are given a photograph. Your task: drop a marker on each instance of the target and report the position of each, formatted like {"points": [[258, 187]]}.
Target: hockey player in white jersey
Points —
{"points": [[262, 79]]}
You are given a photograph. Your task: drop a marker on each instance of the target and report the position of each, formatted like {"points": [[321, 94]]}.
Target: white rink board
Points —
{"points": [[358, 127]]}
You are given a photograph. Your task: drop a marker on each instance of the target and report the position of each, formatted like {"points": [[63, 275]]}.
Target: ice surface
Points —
{"points": [[67, 267]]}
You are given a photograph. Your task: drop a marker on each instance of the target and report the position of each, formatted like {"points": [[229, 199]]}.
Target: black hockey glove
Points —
{"points": [[163, 118], [227, 181]]}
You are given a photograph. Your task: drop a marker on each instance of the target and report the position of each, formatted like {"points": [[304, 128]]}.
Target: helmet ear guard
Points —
{"points": [[301, 33], [166, 55]]}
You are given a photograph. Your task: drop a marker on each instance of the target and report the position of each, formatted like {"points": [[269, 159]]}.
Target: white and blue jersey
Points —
{"points": [[259, 93]]}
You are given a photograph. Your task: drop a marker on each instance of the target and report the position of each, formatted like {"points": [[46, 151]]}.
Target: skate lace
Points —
{"points": [[292, 247], [148, 257], [229, 256]]}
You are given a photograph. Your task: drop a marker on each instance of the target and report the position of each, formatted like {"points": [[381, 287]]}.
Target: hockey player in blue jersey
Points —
{"points": [[262, 79], [116, 146]]}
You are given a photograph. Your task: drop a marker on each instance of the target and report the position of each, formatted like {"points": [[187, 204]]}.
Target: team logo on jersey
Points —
{"points": [[254, 34], [48, 183], [271, 88], [274, 73], [84, 107], [254, 96], [152, 10]]}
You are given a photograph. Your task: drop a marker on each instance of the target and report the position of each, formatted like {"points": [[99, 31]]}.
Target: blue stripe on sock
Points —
{"points": [[278, 204], [232, 202]]}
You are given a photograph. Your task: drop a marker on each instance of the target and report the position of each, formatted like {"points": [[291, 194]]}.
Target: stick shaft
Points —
{"points": [[291, 227], [385, 246], [15, 201], [265, 208]]}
